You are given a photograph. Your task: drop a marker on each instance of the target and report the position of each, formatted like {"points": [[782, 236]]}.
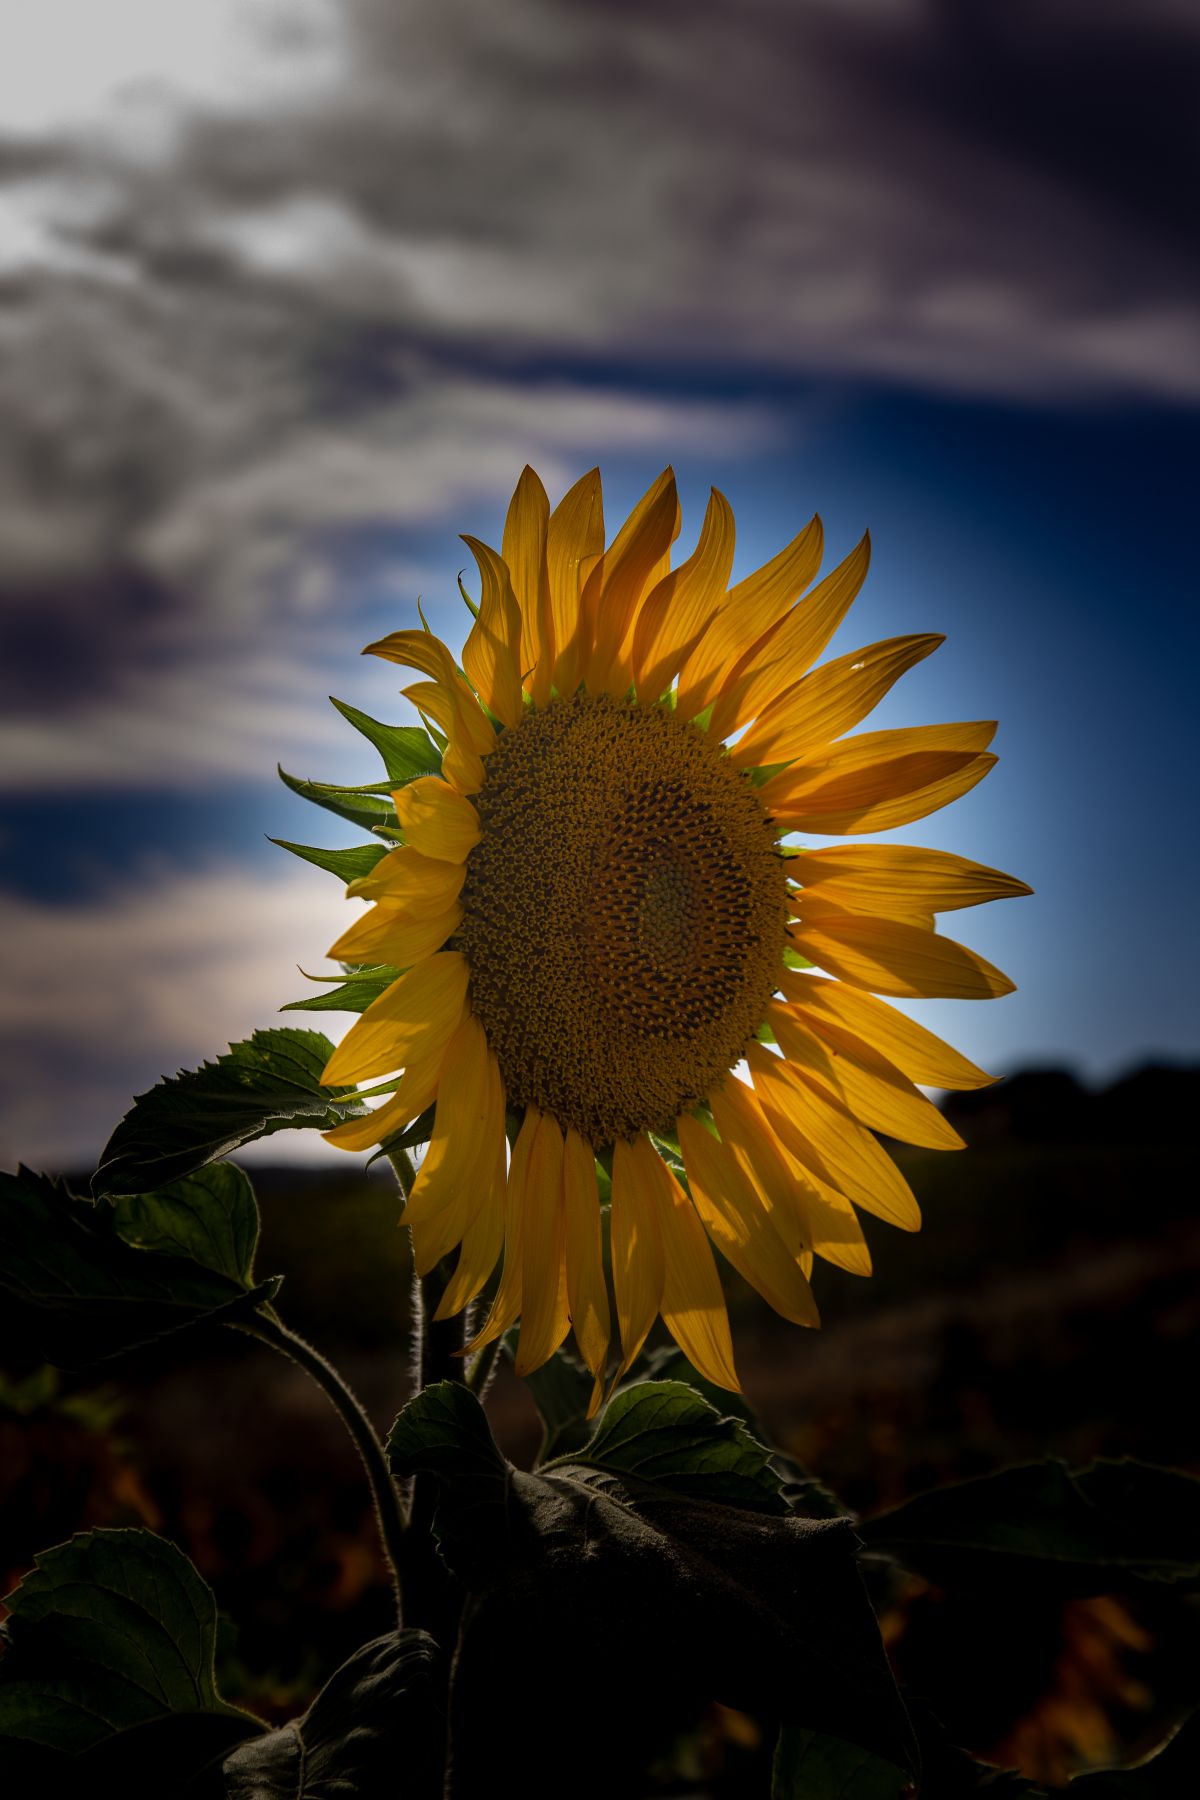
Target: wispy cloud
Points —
{"points": [[284, 273], [105, 995]]}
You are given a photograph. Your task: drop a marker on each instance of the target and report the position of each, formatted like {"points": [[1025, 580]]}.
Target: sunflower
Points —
{"points": [[600, 924]]}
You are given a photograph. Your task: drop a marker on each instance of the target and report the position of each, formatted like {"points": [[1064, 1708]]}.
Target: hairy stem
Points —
{"points": [[389, 1510]]}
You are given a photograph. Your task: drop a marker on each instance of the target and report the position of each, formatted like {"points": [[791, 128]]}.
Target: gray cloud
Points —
{"points": [[345, 267]]}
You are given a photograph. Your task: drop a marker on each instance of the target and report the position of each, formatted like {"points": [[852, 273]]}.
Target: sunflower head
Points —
{"points": [[607, 933]]}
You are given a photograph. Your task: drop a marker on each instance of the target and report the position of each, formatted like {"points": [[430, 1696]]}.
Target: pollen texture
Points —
{"points": [[624, 914]]}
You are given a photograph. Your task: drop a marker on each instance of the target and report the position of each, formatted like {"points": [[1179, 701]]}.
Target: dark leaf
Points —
{"points": [[665, 1431], [78, 1286], [810, 1766], [375, 1729], [366, 807], [269, 1082], [348, 865], [590, 1585], [1078, 1532], [407, 750], [354, 995], [209, 1218], [111, 1632]]}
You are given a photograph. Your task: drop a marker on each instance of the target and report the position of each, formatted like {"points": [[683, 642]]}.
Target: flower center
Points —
{"points": [[624, 915]]}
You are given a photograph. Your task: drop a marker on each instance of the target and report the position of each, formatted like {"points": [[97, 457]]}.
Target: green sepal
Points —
{"points": [[363, 806], [268, 1082], [354, 995], [84, 1280], [351, 864], [407, 750]]}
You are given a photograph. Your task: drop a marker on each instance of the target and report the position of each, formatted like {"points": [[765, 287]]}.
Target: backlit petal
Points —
{"points": [[492, 652], [674, 615], [638, 1262], [574, 545], [544, 1316], [739, 1223], [421, 1008], [587, 1296], [828, 702], [753, 606], [524, 550]]}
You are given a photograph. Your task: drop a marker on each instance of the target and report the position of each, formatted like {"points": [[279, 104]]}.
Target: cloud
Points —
{"points": [[102, 997], [304, 276]]}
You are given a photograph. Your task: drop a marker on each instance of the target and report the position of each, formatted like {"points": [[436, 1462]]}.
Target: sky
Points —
{"points": [[290, 290]]}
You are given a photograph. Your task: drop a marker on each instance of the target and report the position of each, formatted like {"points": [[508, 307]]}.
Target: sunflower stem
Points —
{"points": [[431, 1601], [389, 1509], [481, 1368]]}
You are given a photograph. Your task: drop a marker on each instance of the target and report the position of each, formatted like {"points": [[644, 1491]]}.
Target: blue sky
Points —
{"points": [[260, 384]]}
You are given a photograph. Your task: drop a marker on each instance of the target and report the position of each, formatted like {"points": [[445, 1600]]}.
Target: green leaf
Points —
{"points": [[665, 1431], [354, 995], [375, 1728], [362, 806], [269, 1082], [1078, 1532], [112, 1633], [1170, 1773], [77, 1287], [810, 1766], [407, 750], [209, 1218], [348, 865], [581, 1576]]}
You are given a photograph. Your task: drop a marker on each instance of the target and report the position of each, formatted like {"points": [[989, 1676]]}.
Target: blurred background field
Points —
{"points": [[1049, 1307]]}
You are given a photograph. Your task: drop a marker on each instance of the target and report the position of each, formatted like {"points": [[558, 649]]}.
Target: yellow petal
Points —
{"points": [[492, 652], [462, 762], [456, 1170], [447, 699], [524, 550], [544, 1318], [810, 1217], [825, 1137], [888, 957], [482, 1242], [829, 701], [418, 1086], [880, 779], [437, 821], [896, 878], [872, 1088], [783, 654], [404, 878], [693, 1303], [421, 1008], [675, 614], [506, 1306], [389, 934], [587, 1296], [574, 545], [638, 1263], [860, 1017], [619, 581], [740, 1225], [752, 608]]}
